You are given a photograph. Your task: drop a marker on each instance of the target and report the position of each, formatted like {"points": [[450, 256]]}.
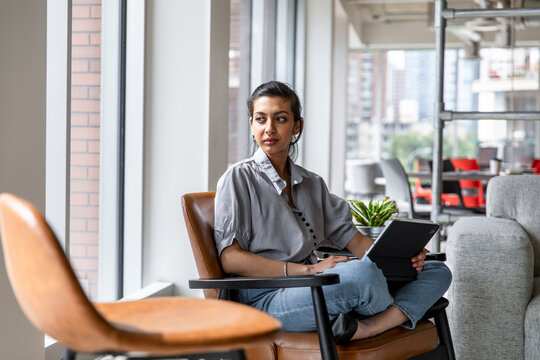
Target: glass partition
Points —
{"points": [[391, 98]]}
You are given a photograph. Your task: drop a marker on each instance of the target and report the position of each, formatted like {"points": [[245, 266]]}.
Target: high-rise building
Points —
{"points": [[393, 93]]}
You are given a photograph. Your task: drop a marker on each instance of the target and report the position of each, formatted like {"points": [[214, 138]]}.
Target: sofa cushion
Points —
{"points": [[517, 197]]}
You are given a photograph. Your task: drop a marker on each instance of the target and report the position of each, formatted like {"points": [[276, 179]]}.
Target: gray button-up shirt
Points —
{"points": [[251, 207]]}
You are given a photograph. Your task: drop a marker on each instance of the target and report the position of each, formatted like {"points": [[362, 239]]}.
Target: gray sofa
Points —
{"points": [[494, 298]]}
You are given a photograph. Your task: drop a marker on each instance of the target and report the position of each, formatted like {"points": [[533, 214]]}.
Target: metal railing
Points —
{"points": [[442, 13]]}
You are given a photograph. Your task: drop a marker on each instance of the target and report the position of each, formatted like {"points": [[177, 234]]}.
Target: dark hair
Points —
{"points": [[278, 89]]}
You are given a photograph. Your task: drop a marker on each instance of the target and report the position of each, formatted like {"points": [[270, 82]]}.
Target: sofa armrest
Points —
{"points": [[492, 271]]}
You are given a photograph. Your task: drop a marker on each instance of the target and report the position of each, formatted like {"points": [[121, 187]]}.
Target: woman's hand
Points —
{"points": [[327, 263], [418, 260]]}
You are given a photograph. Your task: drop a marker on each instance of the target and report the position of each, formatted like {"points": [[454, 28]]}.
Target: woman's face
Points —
{"points": [[273, 125]]}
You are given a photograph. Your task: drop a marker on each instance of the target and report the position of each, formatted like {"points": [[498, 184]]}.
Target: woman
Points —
{"points": [[271, 214]]}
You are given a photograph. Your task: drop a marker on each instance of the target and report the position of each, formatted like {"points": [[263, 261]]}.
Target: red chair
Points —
{"points": [[421, 190], [536, 166], [472, 190], [424, 191]]}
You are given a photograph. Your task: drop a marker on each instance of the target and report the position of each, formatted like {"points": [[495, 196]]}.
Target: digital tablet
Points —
{"points": [[400, 241]]}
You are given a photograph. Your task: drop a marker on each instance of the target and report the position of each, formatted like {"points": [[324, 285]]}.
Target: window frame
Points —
{"points": [[58, 141]]}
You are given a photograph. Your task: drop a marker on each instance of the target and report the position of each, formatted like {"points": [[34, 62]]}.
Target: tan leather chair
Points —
{"points": [[396, 343], [52, 299]]}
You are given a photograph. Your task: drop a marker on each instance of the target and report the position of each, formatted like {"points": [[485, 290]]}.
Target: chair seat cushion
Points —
{"points": [[396, 343], [170, 325]]}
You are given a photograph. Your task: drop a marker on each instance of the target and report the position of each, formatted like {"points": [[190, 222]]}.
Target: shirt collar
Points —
{"points": [[296, 173], [266, 166]]}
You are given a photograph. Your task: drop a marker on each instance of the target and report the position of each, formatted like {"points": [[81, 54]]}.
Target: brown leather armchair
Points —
{"points": [[396, 343], [54, 302]]}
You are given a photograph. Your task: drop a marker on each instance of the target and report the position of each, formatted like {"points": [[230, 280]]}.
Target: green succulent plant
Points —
{"points": [[373, 213]]}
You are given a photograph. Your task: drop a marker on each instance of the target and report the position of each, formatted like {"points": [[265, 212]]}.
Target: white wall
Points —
{"points": [[22, 145], [325, 92], [186, 112], [318, 87]]}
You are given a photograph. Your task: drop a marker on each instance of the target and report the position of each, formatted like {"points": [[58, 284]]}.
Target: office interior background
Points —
{"points": [[104, 139]]}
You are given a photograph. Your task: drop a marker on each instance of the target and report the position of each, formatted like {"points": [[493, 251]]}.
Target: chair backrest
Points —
{"points": [[535, 164], [485, 154], [467, 165], [422, 189], [361, 179], [198, 209], [397, 184], [450, 186], [42, 279]]}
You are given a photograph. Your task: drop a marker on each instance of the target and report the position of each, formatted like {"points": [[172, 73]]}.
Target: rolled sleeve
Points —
{"points": [[343, 236], [339, 228], [232, 211], [225, 239]]}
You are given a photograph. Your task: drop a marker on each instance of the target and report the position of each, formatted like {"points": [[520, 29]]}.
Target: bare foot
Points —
{"points": [[379, 323]]}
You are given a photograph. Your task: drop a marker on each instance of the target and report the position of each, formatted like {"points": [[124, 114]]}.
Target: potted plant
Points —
{"points": [[370, 217]]}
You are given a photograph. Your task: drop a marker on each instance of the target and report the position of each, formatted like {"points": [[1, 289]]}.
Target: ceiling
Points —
{"points": [[403, 24]]}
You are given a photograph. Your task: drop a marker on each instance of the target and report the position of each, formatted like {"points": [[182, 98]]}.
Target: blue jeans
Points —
{"points": [[362, 289]]}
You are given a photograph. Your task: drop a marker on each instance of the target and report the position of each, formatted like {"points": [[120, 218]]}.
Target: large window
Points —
{"points": [[239, 70], [391, 104], [98, 154], [85, 142], [264, 46], [509, 81], [391, 96]]}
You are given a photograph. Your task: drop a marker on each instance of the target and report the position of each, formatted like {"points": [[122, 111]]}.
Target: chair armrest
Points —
{"points": [[324, 328], [436, 308], [439, 256], [265, 283], [323, 252]]}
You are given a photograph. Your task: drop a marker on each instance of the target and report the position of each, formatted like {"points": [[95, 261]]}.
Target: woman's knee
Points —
{"points": [[439, 271], [362, 272], [367, 281]]}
